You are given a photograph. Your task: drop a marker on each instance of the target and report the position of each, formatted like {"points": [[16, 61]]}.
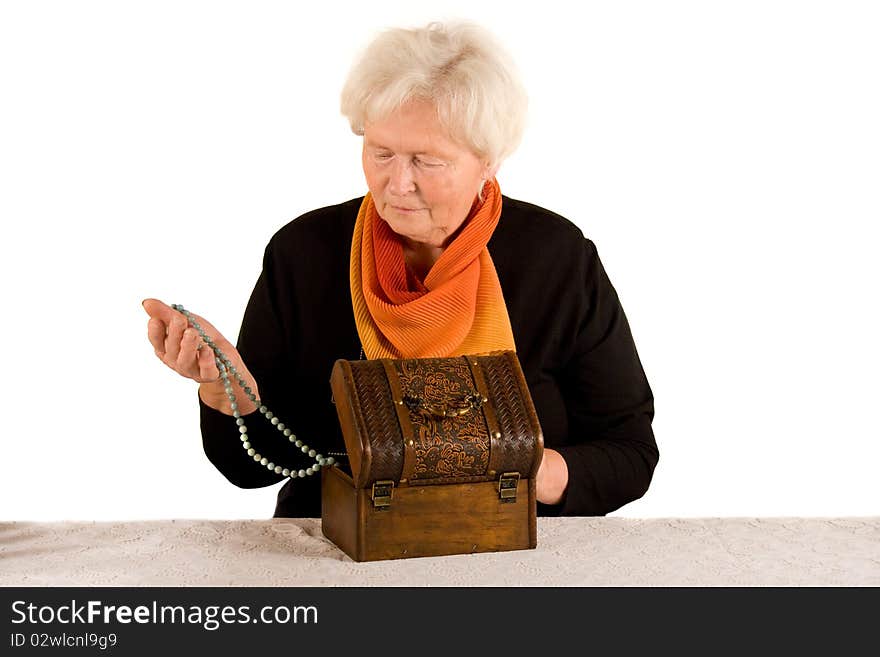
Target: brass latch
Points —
{"points": [[507, 486], [381, 494]]}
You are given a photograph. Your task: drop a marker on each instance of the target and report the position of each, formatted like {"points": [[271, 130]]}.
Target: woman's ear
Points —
{"points": [[490, 170]]}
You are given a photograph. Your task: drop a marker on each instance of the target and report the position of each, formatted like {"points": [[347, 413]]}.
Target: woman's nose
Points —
{"points": [[402, 179]]}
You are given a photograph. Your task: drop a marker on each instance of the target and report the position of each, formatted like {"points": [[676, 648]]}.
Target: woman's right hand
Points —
{"points": [[179, 346]]}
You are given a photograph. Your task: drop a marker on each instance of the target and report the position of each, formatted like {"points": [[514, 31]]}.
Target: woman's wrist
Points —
{"points": [[552, 479]]}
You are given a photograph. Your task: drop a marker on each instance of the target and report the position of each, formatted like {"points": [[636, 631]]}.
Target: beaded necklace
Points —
{"points": [[224, 365]]}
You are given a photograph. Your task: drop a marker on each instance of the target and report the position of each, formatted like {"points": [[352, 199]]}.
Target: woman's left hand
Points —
{"points": [[552, 479]]}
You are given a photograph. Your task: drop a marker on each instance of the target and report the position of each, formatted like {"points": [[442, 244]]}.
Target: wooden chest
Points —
{"points": [[443, 457]]}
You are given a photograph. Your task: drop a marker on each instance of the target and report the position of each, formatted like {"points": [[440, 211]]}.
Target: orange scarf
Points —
{"points": [[459, 309]]}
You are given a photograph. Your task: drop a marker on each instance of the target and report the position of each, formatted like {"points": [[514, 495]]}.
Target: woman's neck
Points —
{"points": [[420, 257]]}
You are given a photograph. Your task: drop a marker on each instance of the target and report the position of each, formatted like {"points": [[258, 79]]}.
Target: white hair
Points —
{"points": [[459, 68]]}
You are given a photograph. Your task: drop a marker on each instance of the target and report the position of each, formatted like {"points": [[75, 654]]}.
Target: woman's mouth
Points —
{"points": [[405, 210]]}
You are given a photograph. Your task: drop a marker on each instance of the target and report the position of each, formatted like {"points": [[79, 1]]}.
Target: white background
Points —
{"points": [[723, 156]]}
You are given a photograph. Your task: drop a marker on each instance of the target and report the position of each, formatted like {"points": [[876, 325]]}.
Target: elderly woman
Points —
{"points": [[432, 262]]}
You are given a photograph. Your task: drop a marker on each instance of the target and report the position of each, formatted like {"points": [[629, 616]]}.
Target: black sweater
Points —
{"points": [[572, 338]]}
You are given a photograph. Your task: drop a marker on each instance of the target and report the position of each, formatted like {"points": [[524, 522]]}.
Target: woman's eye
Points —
{"points": [[428, 163], [383, 156]]}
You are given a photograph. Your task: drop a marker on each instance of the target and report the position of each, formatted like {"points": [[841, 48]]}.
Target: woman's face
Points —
{"points": [[423, 183]]}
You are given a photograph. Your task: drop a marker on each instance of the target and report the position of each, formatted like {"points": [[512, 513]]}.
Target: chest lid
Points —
{"points": [[437, 420]]}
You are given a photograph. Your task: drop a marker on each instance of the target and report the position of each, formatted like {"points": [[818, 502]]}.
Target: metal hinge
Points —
{"points": [[507, 485], [381, 494]]}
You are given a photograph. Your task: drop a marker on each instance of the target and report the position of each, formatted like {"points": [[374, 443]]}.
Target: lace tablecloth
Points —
{"points": [[571, 552]]}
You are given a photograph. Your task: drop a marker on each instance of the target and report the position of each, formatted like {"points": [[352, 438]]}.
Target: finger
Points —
{"points": [[207, 367], [159, 310], [172, 340], [187, 358], [166, 313], [156, 331], [208, 329]]}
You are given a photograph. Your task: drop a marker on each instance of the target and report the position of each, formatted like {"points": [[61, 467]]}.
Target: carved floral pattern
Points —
{"points": [[444, 446]]}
